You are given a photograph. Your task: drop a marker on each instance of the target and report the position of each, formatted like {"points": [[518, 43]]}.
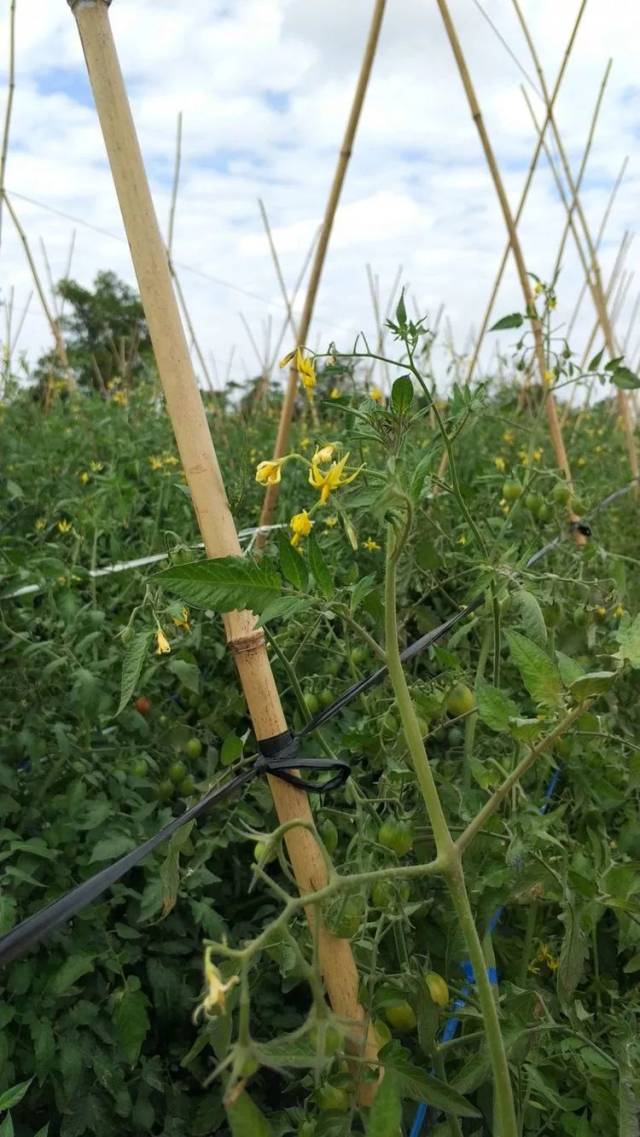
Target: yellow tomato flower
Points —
{"points": [[370, 544], [215, 989], [331, 522], [508, 437], [377, 395], [544, 955], [581, 462], [287, 358], [549, 377], [500, 463], [306, 371], [40, 523], [170, 460], [462, 539], [301, 526], [618, 612], [537, 454], [163, 647], [120, 398], [269, 473], [84, 477], [601, 612], [328, 480], [552, 302], [305, 443], [334, 393], [64, 526], [324, 453], [538, 288], [183, 622], [97, 467], [155, 463]]}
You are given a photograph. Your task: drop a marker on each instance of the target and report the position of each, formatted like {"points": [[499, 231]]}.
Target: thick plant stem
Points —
{"points": [[447, 855], [286, 414]]}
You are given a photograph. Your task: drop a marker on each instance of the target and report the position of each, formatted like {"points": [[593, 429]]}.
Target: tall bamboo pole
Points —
{"points": [[58, 339], [11, 86], [286, 414], [202, 471], [599, 235], [525, 193], [594, 276], [550, 404]]}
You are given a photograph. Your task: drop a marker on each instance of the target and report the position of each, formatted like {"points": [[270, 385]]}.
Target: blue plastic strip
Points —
{"points": [[450, 1028]]}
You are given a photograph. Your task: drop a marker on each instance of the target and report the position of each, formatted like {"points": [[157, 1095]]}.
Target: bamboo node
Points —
{"points": [[244, 645]]}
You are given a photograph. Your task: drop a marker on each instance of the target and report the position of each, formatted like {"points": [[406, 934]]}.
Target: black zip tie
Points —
{"points": [[278, 756]]}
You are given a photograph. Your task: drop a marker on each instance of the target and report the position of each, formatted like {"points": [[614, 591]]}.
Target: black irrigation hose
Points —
{"points": [[278, 756]]}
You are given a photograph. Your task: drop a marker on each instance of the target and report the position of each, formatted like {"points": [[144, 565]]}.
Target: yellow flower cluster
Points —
{"points": [[64, 526], [215, 990], [301, 526], [305, 368], [329, 479]]}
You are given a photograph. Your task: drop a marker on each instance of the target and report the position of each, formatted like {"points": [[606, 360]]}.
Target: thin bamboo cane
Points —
{"points": [[11, 86], [200, 464], [523, 197], [278, 268], [174, 188], [286, 414], [599, 236], [550, 403], [58, 339], [594, 276], [610, 291]]}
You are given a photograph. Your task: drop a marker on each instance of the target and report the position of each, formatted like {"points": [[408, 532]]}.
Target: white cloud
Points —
{"points": [[265, 87]]}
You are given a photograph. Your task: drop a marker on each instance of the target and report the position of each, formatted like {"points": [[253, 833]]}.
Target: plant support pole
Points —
{"points": [[201, 468], [286, 414]]}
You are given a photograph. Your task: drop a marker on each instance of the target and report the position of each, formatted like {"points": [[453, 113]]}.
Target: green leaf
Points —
{"points": [[294, 568], [170, 868], [569, 669], [232, 748], [572, 955], [110, 848], [524, 730], [132, 666], [361, 590], [625, 379], [414, 1082], [594, 683], [516, 320], [402, 394], [539, 673], [6, 1127], [131, 1022], [628, 636], [72, 969], [596, 361], [14, 1095], [318, 566], [295, 1051], [385, 1115], [224, 583], [495, 709], [187, 673], [283, 606], [401, 310], [531, 618], [246, 1120]]}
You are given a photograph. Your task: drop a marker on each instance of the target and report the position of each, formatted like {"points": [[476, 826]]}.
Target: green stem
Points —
{"points": [[470, 725], [453, 1122], [527, 947], [448, 856]]}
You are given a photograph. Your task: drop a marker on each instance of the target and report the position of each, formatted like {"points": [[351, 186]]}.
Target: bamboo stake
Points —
{"points": [[611, 286], [599, 236], [550, 403], [174, 188], [525, 193], [200, 464], [594, 276], [11, 86], [58, 339], [286, 414]]}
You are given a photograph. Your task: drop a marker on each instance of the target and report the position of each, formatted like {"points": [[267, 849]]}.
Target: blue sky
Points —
{"points": [[265, 88]]}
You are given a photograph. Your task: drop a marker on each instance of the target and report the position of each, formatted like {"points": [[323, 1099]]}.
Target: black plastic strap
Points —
{"points": [[279, 756]]}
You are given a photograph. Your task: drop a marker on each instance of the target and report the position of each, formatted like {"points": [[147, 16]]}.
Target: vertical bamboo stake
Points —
{"points": [[550, 404], [200, 464], [523, 197], [271, 494], [11, 86], [599, 236], [595, 276]]}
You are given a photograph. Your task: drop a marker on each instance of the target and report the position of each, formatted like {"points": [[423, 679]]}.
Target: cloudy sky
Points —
{"points": [[265, 87]]}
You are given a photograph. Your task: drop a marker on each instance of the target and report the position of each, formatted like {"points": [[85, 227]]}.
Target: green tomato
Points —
{"points": [[326, 697], [312, 702], [545, 511], [455, 736], [329, 836], [563, 747], [511, 490], [397, 836], [165, 790], [561, 493], [460, 700], [533, 502], [177, 772], [187, 786], [382, 894], [345, 919], [358, 654], [400, 1015], [588, 723], [193, 748], [577, 505], [328, 1041], [264, 852], [334, 1098], [139, 767]]}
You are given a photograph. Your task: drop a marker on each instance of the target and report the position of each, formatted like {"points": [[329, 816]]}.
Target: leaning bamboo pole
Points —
{"points": [[11, 86], [58, 339], [524, 195], [594, 275], [286, 414], [555, 431], [599, 236], [200, 463]]}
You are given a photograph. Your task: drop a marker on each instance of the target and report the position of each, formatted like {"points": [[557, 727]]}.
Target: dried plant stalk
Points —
{"points": [[202, 471], [286, 414]]}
